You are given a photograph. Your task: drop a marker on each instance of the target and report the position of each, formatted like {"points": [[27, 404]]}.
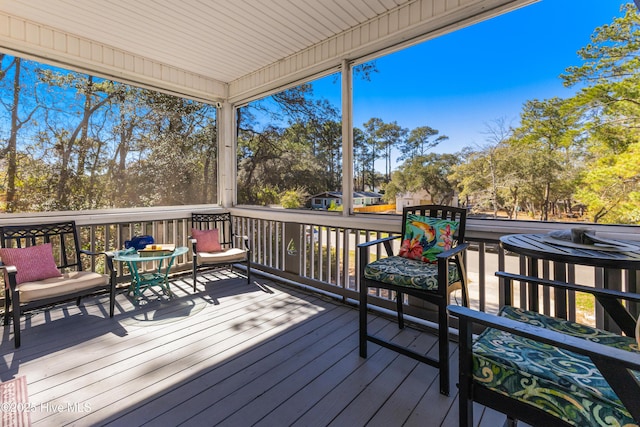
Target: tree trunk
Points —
{"points": [[544, 215], [12, 155], [79, 133], [494, 186]]}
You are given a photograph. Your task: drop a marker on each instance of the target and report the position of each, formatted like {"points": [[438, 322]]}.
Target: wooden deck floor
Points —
{"points": [[232, 355]]}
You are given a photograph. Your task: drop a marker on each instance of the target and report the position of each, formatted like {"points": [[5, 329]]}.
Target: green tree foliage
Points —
{"points": [[279, 159], [610, 102], [431, 173], [381, 138], [360, 159], [420, 141], [548, 132], [94, 143], [300, 147], [610, 188], [571, 151], [533, 167], [181, 136], [16, 123], [333, 207], [494, 178], [294, 198], [371, 149], [390, 135]]}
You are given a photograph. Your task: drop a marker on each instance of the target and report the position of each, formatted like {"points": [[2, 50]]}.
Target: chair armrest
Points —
{"points": [[245, 241], [614, 364], [450, 253], [109, 258], [11, 274], [591, 349], [89, 253], [386, 241], [608, 298], [453, 255], [377, 241]]}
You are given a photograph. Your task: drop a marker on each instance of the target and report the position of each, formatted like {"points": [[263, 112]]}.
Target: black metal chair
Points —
{"points": [[231, 248], [429, 281], [57, 276], [581, 375]]}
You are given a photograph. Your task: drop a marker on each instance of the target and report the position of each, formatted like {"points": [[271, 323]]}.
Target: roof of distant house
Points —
{"points": [[356, 194]]}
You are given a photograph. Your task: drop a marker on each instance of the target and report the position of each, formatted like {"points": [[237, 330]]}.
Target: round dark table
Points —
{"points": [[540, 246]]}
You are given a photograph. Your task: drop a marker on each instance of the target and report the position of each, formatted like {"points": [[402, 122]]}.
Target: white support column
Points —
{"points": [[347, 138], [226, 156]]}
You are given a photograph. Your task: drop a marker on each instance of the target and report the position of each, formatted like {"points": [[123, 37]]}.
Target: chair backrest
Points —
{"points": [[219, 220], [441, 212], [62, 236]]}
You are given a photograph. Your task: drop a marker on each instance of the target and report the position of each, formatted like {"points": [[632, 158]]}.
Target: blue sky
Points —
{"points": [[461, 82]]}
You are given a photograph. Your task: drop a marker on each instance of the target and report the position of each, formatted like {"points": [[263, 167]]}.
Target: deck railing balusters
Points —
{"points": [[327, 248]]}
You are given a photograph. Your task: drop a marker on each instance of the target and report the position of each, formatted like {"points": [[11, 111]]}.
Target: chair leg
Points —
{"points": [[16, 322], [511, 422], [465, 295], [443, 347], [465, 406], [465, 378], [112, 300], [400, 310], [78, 301], [363, 320], [248, 271], [7, 306], [195, 271]]}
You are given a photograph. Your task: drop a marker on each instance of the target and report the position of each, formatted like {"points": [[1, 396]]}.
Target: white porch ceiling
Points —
{"points": [[223, 49]]}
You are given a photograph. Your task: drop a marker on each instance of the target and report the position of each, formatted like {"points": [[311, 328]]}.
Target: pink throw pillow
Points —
{"points": [[32, 263], [206, 240]]}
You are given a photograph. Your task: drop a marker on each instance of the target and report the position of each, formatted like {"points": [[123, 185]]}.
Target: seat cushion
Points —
{"points": [[410, 273], [227, 255], [563, 383], [63, 285]]}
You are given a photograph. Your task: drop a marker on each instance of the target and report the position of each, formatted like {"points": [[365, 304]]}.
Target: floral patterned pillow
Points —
{"points": [[426, 237]]}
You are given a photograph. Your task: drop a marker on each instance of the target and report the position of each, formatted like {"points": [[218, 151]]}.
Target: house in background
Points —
{"points": [[412, 199], [360, 198], [419, 198]]}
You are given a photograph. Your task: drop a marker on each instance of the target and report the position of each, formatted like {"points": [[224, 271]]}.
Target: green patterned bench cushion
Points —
{"points": [[411, 273], [563, 383]]}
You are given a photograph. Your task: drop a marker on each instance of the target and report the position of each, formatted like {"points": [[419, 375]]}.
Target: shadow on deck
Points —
{"points": [[231, 354]]}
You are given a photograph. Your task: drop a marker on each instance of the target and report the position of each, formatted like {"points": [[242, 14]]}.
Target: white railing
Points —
{"points": [[327, 244], [318, 250], [107, 230]]}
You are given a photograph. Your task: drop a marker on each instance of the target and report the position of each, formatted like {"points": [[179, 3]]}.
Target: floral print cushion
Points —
{"points": [[426, 237], [400, 271], [563, 383]]}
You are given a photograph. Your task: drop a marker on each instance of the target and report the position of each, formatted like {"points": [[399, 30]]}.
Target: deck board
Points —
{"points": [[230, 354]]}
